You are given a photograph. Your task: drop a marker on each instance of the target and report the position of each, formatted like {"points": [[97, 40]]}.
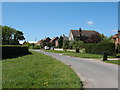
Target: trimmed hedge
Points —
{"points": [[9, 51], [101, 48]]}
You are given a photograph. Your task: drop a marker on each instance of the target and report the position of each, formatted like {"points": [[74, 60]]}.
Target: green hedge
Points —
{"points": [[100, 48], [9, 51]]}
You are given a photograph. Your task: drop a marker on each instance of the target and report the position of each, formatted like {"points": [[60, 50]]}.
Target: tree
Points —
{"points": [[78, 45], [65, 44], [60, 42], [11, 36]]}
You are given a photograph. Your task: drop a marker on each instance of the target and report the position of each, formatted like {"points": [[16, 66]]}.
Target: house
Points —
{"points": [[65, 37], [44, 42], [54, 41], [87, 36], [116, 38]]}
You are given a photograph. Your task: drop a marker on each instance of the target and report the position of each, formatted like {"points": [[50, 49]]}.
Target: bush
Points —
{"points": [[9, 51], [100, 48], [36, 47]]}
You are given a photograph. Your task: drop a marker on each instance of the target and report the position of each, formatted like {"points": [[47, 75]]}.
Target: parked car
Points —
{"points": [[46, 48]]}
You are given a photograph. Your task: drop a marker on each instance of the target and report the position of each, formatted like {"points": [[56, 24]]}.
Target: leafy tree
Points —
{"points": [[65, 44], [11, 36], [60, 42], [78, 45]]}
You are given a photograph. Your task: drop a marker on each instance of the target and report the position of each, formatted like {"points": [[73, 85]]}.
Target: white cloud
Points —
{"points": [[90, 23], [114, 30]]}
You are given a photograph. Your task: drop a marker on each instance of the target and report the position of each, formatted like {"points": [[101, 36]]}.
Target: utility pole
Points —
{"points": [[35, 39]]}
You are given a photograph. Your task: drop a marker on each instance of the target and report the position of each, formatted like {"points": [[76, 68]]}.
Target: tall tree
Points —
{"points": [[60, 42], [11, 35]]}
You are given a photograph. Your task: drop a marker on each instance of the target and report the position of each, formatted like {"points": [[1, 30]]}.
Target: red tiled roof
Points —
{"points": [[84, 32], [53, 39]]}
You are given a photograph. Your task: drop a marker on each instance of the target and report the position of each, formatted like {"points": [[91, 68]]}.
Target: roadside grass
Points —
{"points": [[84, 55], [38, 71], [56, 51], [80, 55], [113, 61]]}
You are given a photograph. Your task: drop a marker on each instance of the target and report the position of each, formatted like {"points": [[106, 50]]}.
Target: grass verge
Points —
{"points": [[80, 55], [113, 61], [38, 71], [56, 51]]}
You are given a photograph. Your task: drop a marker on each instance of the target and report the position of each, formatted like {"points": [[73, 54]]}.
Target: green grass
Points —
{"points": [[56, 51], [113, 62], [80, 55], [84, 55], [38, 71]]}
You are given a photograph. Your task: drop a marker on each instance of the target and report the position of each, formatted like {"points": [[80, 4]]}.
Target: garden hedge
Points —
{"points": [[101, 48], [9, 51]]}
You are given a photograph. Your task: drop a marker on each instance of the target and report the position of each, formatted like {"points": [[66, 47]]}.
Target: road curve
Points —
{"points": [[93, 73]]}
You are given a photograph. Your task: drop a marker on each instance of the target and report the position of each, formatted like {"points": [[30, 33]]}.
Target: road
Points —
{"points": [[93, 73]]}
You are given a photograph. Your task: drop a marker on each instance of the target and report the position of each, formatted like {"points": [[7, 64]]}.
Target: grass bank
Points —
{"points": [[56, 51], [113, 62], [80, 55], [38, 71]]}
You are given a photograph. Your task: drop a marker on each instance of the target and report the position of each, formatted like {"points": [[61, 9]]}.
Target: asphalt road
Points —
{"points": [[93, 73]]}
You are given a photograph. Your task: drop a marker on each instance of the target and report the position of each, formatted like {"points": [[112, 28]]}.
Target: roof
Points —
{"points": [[76, 33], [55, 38], [116, 36]]}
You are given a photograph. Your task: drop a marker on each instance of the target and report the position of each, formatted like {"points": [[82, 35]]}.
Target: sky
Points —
{"points": [[49, 19]]}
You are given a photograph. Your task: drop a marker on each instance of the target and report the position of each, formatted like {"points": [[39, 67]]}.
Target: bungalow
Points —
{"points": [[87, 36]]}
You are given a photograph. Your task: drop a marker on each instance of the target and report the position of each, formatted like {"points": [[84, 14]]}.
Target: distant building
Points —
{"points": [[87, 36], [65, 37], [54, 41], [116, 38], [44, 41]]}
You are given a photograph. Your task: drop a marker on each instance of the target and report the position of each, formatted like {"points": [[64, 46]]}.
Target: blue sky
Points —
{"points": [[49, 19]]}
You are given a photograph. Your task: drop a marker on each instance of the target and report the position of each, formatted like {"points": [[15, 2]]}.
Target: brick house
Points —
{"points": [[44, 42], [87, 36], [54, 41]]}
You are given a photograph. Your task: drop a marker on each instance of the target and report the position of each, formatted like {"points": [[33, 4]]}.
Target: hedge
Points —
{"points": [[9, 51], [101, 48]]}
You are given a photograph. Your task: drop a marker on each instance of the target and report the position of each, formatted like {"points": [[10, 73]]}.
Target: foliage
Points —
{"points": [[60, 42], [11, 36], [38, 71], [27, 44], [9, 51], [105, 46], [66, 44], [36, 47], [113, 61], [78, 45]]}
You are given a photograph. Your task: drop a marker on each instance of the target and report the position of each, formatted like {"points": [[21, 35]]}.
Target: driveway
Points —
{"points": [[93, 73]]}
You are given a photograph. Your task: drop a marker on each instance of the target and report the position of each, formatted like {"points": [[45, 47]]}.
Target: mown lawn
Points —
{"points": [[56, 51], [38, 71], [84, 55], [80, 55], [113, 61]]}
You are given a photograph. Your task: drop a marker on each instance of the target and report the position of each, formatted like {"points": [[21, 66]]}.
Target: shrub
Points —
{"points": [[100, 48], [36, 47], [9, 51]]}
